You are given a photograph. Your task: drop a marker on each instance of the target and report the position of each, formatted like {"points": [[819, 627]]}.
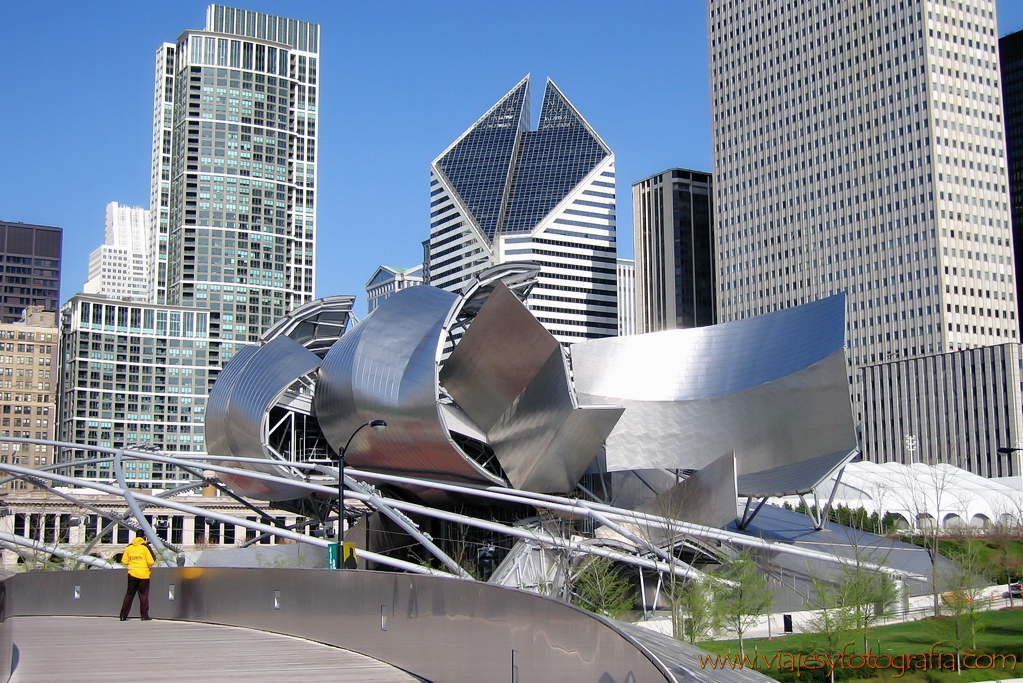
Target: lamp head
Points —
{"points": [[377, 424]]}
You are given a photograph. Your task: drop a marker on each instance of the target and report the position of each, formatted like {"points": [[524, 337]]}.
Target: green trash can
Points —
{"points": [[334, 556]]}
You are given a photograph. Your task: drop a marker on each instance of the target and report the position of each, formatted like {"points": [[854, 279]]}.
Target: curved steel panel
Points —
{"points": [[386, 368], [708, 497], [315, 325], [774, 392], [497, 357], [704, 362], [242, 406], [217, 416], [508, 374], [519, 276]]}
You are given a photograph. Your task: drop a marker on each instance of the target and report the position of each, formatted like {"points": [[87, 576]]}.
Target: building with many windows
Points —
{"points": [[135, 373], [859, 149], [957, 408], [626, 297], [1010, 48], [31, 255], [44, 517], [234, 169], [387, 280], [503, 193], [673, 226], [28, 388], [119, 268]]}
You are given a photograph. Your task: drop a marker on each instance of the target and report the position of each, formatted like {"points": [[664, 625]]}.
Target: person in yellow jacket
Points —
{"points": [[138, 559]]}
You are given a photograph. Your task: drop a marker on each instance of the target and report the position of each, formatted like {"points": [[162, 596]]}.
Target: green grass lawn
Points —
{"points": [[1001, 633]]}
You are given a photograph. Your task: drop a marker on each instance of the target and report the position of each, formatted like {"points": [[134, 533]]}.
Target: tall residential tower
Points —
{"points": [[235, 119], [502, 193], [858, 147]]}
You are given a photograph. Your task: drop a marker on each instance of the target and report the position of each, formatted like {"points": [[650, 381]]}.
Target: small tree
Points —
{"points": [[743, 595], [694, 612], [601, 588], [831, 621], [865, 593], [962, 600]]}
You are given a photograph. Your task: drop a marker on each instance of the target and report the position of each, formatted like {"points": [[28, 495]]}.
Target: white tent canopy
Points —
{"points": [[923, 495]]}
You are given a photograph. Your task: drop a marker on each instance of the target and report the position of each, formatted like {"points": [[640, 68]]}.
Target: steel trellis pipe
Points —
{"points": [[183, 507]]}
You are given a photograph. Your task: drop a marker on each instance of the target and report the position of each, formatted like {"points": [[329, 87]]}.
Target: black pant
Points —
{"points": [[140, 586]]}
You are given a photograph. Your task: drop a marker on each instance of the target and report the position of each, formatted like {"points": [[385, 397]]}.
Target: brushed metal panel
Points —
{"points": [[217, 415], [794, 478], [386, 368], [315, 325], [521, 435], [543, 442], [707, 497], [717, 360], [238, 429], [574, 445], [499, 354], [789, 420], [773, 389]]}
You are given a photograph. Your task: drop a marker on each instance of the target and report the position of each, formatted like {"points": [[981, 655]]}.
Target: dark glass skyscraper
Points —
{"points": [[1011, 48], [674, 236], [503, 193], [31, 255]]}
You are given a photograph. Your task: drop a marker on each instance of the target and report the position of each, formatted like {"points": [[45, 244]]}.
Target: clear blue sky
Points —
{"points": [[399, 82]]}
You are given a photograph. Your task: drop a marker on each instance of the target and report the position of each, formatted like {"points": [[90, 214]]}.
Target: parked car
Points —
{"points": [[1016, 589]]}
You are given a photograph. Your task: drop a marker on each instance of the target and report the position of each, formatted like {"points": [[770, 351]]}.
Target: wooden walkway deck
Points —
{"points": [[99, 650]]}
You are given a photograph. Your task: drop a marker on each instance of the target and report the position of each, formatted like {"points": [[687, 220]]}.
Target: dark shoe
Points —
{"points": [[124, 618], [146, 619]]}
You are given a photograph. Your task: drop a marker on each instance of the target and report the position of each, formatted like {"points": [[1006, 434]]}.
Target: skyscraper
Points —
{"points": [[858, 147], [231, 249], [502, 192], [31, 255], [235, 120], [1010, 48], [626, 297], [673, 227], [119, 268]]}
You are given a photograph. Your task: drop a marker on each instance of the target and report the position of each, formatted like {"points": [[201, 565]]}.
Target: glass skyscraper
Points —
{"points": [[234, 169], [230, 241], [503, 193], [32, 256], [672, 214]]}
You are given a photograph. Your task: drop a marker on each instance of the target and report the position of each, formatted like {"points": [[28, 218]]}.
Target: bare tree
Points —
{"points": [[931, 498]]}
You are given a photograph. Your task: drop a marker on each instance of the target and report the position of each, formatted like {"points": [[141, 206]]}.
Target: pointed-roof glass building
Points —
{"points": [[503, 192]]}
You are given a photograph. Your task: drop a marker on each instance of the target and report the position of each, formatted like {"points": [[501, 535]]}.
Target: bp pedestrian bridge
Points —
{"points": [[322, 625]]}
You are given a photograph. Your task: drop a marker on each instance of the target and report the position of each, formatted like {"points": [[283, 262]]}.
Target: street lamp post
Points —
{"points": [[1009, 451], [373, 424]]}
